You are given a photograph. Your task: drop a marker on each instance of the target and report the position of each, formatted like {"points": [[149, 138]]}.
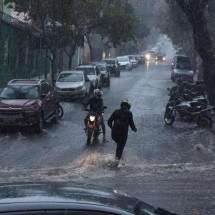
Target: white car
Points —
{"points": [[71, 84], [133, 60], [124, 62], [92, 74]]}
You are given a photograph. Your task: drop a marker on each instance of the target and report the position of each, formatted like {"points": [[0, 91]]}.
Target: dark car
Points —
{"points": [[113, 66], [181, 68], [66, 199], [27, 103], [105, 74]]}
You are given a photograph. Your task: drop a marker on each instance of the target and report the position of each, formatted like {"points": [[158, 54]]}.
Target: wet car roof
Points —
{"points": [[86, 66], [25, 82], [72, 71], [66, 193]]}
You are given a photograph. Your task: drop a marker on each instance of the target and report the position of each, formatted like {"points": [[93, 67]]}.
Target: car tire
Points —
{"points": [[205, 122], [60, 111], [40, 125]]}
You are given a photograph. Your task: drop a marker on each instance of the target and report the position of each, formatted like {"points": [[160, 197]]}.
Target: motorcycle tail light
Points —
{"points": [[92, 118]]}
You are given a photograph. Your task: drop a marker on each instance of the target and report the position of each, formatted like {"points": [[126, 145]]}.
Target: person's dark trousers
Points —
{"points": [[103, 126], [119, 149]]}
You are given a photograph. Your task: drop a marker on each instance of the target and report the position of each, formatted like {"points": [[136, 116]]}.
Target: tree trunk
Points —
{"points": [[71, 54], [90, 47], [195, 12], [54, 66], [204, 47]]}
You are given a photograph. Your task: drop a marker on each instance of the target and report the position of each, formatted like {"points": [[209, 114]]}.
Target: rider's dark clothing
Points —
{"points": [[96, 105]]}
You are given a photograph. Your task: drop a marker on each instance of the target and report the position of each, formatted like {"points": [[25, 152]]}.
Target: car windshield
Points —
{"points": [[101, 67], [20, 92], [122, 59], [70, 77], [87, 70], [110, 61]]}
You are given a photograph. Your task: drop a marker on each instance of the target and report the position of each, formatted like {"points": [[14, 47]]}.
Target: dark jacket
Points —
{"points": [[96, 104], [119, 122]]}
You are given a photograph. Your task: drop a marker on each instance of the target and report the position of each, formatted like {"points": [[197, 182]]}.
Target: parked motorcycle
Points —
{"points": [[189, 111], [187, 90]]}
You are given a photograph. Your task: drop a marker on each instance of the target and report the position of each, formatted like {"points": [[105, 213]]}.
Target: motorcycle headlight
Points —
{"points": [[92, 118]]}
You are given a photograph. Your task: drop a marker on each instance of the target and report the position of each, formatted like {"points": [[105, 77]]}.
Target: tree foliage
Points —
{"points": [[67, 22]]}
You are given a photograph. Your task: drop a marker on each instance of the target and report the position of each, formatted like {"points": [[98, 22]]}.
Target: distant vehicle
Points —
{"points": [[124, 62], [72, 84], [60, 198], [105, 74], [150, 56], [113, 66], [139, 58], [133, 60], [181, 68], [92, 74], [27, 103], [161, 58]]}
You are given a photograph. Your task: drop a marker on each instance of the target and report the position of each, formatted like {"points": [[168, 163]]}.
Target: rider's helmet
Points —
{"points": [[98, 93], [125, 104]]}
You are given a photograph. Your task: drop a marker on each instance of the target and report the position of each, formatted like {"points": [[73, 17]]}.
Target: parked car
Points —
{"points": [[181, 68], [113, 66], [124, 62], [92, 74], [72, 84], [133, 60], [60, 198], [27, 103], [105, 74]]}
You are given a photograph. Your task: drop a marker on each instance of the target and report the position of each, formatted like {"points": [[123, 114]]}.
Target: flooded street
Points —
{"points": [[170, 167]]}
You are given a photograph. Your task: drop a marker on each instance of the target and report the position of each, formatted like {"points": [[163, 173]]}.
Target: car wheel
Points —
{"points": [[40, 125], [205, 122]]}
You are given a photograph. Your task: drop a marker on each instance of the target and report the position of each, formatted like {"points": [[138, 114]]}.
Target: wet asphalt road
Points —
{"points": [[171, 167]]}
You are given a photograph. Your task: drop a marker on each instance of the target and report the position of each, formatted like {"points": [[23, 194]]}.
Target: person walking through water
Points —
{"points": [[119, 122]]}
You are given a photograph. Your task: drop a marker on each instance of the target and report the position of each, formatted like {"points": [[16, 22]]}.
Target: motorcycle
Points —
{"points": [[189, 111], [93, 126]]}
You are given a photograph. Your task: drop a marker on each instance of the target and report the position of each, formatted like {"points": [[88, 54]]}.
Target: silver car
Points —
{"points": [[71, 84]]}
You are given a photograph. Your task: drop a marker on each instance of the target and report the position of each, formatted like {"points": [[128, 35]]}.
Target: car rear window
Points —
{"points": [[88, 70], [70, 77]]}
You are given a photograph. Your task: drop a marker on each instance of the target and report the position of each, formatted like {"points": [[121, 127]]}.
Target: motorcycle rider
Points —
{"points": [[97, 105], [119, 122]]}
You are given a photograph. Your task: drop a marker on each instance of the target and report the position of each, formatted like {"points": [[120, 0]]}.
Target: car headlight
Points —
{"points": [[80, 88], [148, 56], [57, 88], [92, 118], [164, 59]]}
